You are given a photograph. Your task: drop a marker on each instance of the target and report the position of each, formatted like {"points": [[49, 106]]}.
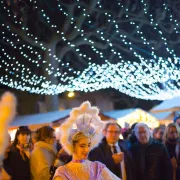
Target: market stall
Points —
{"points": [[167, 110]]}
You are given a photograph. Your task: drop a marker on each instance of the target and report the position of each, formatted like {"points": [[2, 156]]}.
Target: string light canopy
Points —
{"points": [[49, 47]]}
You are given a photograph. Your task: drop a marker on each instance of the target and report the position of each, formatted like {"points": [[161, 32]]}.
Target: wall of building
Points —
{"points": [[96, 98]]}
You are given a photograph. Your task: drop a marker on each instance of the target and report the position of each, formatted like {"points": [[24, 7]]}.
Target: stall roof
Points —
{"points": [[167, 104], [41, 118], [161, 115], [118, 113], [45, 118]]}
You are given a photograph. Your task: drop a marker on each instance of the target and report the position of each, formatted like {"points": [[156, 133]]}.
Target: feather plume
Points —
{"points": [[7, 113], [76, 115]]}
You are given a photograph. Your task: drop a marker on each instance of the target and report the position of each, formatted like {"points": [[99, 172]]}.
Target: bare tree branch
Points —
{"points": [[80, 20], [24, 36], [81, 60]]}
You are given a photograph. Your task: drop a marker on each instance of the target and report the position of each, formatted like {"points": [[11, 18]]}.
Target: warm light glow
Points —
{"points": [[56, 130], [12, 134], [71, 94], [136, 117], [120, 136]]}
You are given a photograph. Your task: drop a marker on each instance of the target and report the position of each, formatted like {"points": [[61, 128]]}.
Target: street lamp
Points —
{"points": [[71, 94]]}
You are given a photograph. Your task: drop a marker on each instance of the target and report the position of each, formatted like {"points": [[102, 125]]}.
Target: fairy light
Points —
{"points": [[142, 78]]}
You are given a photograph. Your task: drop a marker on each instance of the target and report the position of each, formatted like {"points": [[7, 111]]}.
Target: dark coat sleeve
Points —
{"points": [[166, 166], [103, 154], [15, 166], [125, 148], [100, 154], [7, 165]]}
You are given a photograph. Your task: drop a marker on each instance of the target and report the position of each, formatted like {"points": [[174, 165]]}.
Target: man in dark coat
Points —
{"points": [[150, 157], [112, 151]]}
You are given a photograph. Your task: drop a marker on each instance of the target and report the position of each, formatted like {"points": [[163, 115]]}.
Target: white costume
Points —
{"points": [[84, 119]]}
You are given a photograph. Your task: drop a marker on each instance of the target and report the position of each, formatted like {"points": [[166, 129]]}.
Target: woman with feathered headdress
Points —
{"points": [[81, 132]]}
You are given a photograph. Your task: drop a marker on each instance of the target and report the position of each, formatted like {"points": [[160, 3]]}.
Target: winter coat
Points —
{"points": [[41, 160], [103, 154], [15, 166], [174, 152], [151, 161]]}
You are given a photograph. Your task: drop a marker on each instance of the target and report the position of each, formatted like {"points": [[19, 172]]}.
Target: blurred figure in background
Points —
{"points": [[44, 154], [16, 162], [34, 137], [171, 140], [126, 133], [150, 158], [62, 154], [5, 175], [132, 138], [177, 120], [158, 134]]}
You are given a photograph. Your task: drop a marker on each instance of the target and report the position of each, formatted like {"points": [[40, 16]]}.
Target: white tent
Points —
{"points": [[127, 117], [167, 109], [35, 121], [115, 114], [167, 104], [136, 116], [42, 118]]}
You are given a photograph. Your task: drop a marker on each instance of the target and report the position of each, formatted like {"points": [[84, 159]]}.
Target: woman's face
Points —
{"points": [[52, 140], [82, 148], [172, 133], [23, 138]]}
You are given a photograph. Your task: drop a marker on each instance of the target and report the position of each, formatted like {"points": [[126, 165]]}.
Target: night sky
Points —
{"points": [[39, 27]]}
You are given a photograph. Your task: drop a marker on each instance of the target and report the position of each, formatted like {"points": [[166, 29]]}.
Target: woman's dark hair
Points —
{"points": [[44, 133], [21, 130], [133, 126], [126, 133], [156, 130], [132, 137]]}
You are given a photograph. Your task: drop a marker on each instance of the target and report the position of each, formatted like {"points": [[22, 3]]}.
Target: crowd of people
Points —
{"points": [[92, 150]]}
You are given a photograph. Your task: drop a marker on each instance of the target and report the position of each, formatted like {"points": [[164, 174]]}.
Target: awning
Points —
{"points": [[118, 113], [42, 118], [167, 105]]}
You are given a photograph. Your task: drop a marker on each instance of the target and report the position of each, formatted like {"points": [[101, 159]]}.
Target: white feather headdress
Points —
{"points": [[85, 119], [7, 113]]}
